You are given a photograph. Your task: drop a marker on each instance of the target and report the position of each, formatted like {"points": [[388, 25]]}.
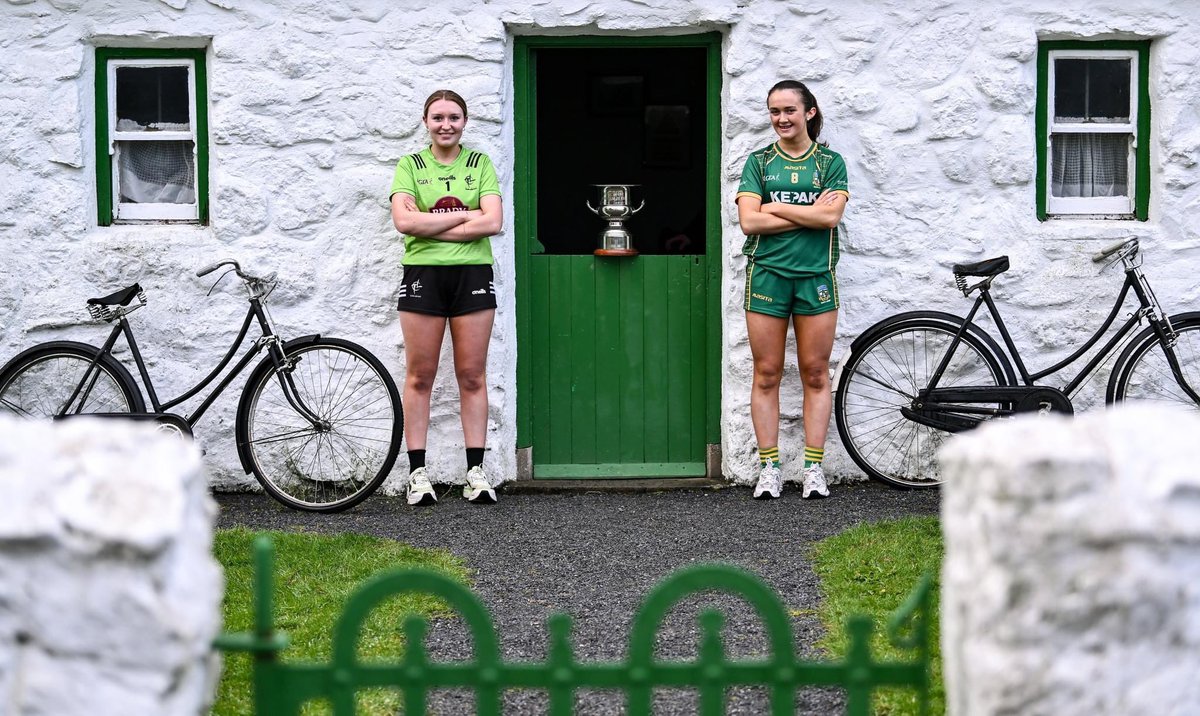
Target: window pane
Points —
{"points": [[156, 172], [150, 98], [1087, 165], [1091, 90]]}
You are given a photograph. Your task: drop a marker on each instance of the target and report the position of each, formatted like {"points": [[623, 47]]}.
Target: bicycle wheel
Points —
{"points": [[334, 465], [38, 382], [1142, 371], [884, 374]]}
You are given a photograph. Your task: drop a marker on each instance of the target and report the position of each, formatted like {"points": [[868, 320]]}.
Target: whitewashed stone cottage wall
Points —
{"points": [[312, 101]]}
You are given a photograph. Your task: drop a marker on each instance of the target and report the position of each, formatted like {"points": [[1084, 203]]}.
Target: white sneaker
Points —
{"points": [[478, 489], [770, 480], [420, 492], [814, 483]]}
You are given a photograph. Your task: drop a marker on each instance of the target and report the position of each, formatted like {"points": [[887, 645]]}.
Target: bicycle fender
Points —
{"points": [[139, 401], [1141, 336], [302, 341], [901, 318], [950, 318], [1148, 331]]}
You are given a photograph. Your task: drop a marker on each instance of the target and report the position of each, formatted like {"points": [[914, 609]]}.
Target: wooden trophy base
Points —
{"points": [[615, 252]]}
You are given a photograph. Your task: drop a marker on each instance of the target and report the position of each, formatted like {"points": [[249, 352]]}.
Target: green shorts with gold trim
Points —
{"points": [[769, 293]]}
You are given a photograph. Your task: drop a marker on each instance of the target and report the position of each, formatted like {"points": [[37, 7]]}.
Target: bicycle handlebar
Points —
{"points": [[209, 269], [1105, 253], [237, 269]]}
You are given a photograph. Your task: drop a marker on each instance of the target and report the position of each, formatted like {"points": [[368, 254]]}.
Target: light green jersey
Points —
{"points": [[773, 176], [440, 188]]}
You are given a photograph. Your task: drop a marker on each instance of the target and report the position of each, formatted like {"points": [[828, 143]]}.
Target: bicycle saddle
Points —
{"points": [[987, 267], [122, 297]]}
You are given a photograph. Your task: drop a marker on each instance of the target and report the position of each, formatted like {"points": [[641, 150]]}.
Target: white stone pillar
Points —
{"points": [[109, 595], [1071, 583]]}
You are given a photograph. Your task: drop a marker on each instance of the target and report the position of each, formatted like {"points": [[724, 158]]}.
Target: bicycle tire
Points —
{"points": [[37, 382], [1143, 373], [885, 370], [336, 467]]}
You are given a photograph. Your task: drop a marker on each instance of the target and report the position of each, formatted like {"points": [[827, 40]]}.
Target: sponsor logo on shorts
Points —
{"points": [[823, 293], [480, 292], [761, 297]]}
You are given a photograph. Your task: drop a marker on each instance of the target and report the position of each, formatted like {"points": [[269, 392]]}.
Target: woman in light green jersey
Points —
{"points": [[790, 201], [446, 201]]}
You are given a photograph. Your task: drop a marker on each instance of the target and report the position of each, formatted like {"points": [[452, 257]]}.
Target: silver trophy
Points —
{"points": [[615, 206]]}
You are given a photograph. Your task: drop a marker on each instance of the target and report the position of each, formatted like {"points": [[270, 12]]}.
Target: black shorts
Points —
{"points": [[447, 290]]}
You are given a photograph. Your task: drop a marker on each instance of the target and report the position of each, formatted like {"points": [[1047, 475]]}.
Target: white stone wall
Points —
{"points": [[1072, 549], [311, 103], [109, 595]]}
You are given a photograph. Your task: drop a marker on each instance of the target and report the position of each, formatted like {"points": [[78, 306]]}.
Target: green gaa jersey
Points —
{"points": [[773, 176], [440, 188]]}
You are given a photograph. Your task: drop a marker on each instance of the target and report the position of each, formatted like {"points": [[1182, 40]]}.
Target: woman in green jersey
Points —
{"points": [[790, 200], [446, 201]]}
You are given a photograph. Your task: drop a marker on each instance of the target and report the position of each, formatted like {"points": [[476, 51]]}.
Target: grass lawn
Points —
{"points": [[314, 575], [870, 569]]}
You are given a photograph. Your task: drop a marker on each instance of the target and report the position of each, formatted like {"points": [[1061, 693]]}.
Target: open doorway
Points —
{"points": [[622, 116]]}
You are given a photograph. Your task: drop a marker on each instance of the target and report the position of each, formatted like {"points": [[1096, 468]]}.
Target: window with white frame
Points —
{"points": [[1093, 148], [151, 135]]}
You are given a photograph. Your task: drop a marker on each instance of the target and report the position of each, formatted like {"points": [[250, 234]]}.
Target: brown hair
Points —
{"points": [[810, 102], [449, 95]]}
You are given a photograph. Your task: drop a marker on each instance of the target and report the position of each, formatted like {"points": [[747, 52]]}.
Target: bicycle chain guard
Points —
{"points": [[1041, 399]]}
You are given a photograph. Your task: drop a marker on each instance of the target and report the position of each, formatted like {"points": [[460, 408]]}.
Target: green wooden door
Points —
{"points": [[617, 357]]}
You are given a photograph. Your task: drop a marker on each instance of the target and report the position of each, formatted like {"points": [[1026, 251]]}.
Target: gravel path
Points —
{"points": [[594, 555]]}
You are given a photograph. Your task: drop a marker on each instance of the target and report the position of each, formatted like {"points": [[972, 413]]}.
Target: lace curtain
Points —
{"points": [[157, 172], [1088, 165]]}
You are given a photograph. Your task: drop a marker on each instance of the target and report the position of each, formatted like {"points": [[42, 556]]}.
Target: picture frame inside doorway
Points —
{"points": [[616, 95], [668, 129]]}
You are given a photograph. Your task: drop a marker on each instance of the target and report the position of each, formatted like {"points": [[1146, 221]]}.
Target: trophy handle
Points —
{"points": [[594, 209], [640, 207]]}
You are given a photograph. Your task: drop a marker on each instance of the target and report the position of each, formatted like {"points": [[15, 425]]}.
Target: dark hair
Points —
{"points": [[810, 102], [449, 95]]}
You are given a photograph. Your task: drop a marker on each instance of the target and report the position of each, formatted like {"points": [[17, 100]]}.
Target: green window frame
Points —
{"points": [[1135, 203], [110, 139]]}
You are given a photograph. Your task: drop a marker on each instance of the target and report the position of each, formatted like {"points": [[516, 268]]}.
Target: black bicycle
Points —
{"points": [[319, 422], [912, 380]]}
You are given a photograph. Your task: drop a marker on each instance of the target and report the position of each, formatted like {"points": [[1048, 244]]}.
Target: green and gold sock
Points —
{"points": [[766, 455], [813, 456]]}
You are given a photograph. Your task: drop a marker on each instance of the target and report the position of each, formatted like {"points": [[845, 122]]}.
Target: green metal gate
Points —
{"points": [[281, 689]]}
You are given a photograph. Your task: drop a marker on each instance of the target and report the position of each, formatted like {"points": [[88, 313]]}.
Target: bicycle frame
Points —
{"points": [[1134, 279], [268, 338]]}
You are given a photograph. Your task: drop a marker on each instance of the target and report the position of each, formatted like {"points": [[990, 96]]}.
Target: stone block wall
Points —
{"points": [[311, 103], [109, 595], [1072, 553]]}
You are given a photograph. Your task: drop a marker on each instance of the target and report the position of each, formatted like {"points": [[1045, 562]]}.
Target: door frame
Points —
{"points": [[525, 203]]}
